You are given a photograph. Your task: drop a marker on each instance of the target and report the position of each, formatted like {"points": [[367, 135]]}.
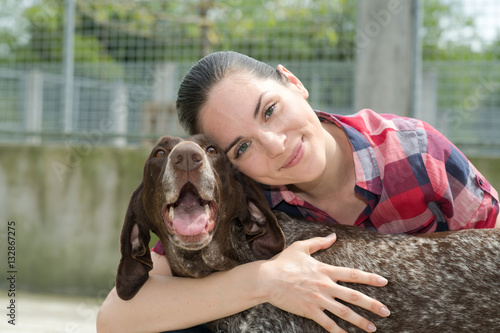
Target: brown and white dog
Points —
{"points": [[209, 217]]}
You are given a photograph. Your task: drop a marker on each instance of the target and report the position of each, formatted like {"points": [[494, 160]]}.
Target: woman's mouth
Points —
{"points": [[295, 157]]}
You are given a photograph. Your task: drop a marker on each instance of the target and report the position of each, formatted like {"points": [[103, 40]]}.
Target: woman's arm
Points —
{"points": [[307, 287], [166, 303], [292, 281]]}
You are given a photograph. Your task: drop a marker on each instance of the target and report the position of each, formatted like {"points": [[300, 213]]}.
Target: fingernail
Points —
{"points": [[332, 235], [382, 281], [371, 328], [385, 312]]}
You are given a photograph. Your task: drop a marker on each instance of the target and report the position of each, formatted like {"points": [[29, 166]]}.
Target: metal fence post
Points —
{"points": [[416, 79], [428, 101], [69, 62], [34, 106], [164, 93], [119, 114]]}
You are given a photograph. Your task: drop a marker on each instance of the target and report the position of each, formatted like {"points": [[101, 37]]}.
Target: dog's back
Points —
{"points": [[441, 282]]}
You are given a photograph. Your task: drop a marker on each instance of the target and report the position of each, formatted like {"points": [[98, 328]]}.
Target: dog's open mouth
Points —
{"points": [[191, 219]]}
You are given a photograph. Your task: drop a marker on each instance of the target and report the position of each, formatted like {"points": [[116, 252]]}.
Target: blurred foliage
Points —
{"points": [[114, 32], [319, 29], [450, 34]]}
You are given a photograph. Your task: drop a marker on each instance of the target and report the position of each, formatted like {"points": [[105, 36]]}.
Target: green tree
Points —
{"points": [[161, 29], [127, 31], [449, 33]]}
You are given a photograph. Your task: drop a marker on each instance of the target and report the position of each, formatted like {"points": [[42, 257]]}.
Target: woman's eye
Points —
{"points": [[242, 148], [269, 111]]}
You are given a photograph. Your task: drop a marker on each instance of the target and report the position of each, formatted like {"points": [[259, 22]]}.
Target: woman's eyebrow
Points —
{"points": [[255, 115], [231, 145], [259, 102]]}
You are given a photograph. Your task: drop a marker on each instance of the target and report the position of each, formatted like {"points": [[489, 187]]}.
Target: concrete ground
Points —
{"points": [[49, 314]]}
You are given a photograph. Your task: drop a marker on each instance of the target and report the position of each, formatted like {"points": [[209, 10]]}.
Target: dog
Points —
{"points": [[209, 217]]}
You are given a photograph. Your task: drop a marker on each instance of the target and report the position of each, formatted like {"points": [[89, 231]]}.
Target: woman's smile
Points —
{"points": [[295, 156]]}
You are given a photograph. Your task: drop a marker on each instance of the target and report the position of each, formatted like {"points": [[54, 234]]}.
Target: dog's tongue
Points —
{"points": [[190, 218]]}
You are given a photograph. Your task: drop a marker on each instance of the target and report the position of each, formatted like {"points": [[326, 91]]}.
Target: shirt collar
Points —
{"points": [[365, 161], [365, 164]]}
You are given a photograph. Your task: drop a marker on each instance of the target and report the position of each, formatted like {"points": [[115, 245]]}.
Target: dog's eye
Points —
{"points": [[211, 150], [159, 153]]}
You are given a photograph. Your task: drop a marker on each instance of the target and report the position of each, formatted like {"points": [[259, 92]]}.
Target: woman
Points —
{"points": [[375, 171]]}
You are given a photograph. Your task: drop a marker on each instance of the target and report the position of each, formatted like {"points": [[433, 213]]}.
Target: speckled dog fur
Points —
{"points": [[446, 282]]}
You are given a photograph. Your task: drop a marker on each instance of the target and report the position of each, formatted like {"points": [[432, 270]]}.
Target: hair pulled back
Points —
{"points": [[206, 73]]}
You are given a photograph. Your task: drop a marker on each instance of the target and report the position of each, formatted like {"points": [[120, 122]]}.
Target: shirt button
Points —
{"points": [[480, 181]]}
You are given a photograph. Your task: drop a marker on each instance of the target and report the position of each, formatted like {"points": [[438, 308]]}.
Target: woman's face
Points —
{"points": [[268, 130]]}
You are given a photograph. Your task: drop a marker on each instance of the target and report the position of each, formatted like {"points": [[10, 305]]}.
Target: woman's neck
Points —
{"points": [[339, 173], [333, 192]]}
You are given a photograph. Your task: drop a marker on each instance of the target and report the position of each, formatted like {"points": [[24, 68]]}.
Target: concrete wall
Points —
{"points": [[68, 204]]}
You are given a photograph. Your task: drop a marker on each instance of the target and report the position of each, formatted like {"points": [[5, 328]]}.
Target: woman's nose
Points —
{"points": [[273, 143]]}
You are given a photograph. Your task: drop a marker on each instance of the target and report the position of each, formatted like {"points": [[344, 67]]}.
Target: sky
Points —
{"points": [[487, 15]]}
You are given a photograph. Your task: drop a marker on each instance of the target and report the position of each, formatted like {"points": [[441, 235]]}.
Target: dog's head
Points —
{"points": [[189, 196]]}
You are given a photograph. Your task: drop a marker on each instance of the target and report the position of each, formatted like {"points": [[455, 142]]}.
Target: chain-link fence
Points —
{"points": [[462, 66], [107, 71]]}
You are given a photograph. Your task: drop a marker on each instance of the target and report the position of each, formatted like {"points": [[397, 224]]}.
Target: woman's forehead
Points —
{"points": [[237, 93], [223, 126], [235, 82], [229, 108]]}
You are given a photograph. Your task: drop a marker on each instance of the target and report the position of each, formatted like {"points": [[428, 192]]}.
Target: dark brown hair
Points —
{"points": [[206, 73]]}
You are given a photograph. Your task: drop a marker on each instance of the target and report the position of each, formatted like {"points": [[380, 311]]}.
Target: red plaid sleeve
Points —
{"points": [[416, 165]]}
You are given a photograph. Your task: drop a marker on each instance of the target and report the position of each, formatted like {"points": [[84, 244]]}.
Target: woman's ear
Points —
{"points": [[294, 81]]}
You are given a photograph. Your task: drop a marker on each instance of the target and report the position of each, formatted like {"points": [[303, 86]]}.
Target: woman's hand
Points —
{"points": [[302, 285]]}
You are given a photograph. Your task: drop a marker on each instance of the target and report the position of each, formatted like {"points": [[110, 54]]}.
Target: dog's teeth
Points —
{"points": [[171, 213], [207, 209]]}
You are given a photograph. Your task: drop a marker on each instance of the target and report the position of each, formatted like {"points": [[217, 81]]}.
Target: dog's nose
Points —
{"points": [[187, 156]]}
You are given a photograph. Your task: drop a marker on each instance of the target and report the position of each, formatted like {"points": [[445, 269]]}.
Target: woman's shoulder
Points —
{"points": [[371, 122]]}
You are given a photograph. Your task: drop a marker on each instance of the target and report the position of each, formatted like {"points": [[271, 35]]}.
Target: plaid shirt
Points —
{"points": [[413, 179]]}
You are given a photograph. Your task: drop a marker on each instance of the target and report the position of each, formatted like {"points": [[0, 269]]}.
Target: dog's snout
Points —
{"points": [[187, 156]]}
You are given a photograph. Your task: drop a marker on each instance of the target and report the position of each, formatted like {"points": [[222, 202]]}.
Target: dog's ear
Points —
{"points": [[135, 262], [264, 235]]}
